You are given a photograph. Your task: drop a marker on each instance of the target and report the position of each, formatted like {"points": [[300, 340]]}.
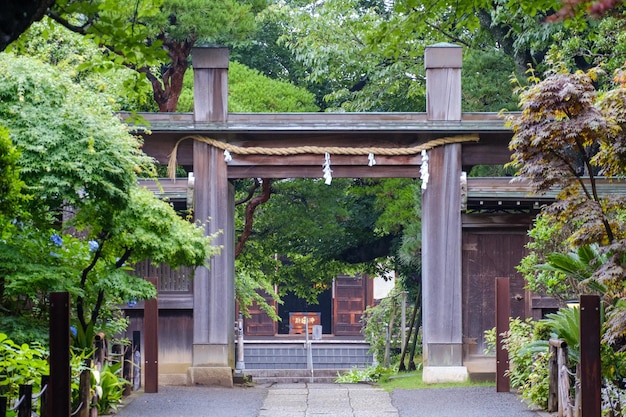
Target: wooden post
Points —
{"points": [[441, 225], [213, 357], [590, 365], [151, 341], [564, 408], [25, 409], [136, 359], [84, 390], [59, 397], [127, 368], [43, 398], [503, 315], [553, 380]]}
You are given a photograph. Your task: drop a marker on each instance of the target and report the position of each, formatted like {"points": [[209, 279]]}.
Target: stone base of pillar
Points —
{"points": [[211, 365], [210, 375], [441, 374]]}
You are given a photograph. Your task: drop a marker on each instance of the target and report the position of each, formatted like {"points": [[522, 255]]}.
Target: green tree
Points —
{"points": [[320, 231], [86, 217], [10, 183], [84, 61], [252, 92], [156, 37]]}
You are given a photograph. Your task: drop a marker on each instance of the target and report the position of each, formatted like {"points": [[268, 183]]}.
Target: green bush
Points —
{"points": [[108, 386], [528, 361], [375, 321], [356, 375], [20, 364]]}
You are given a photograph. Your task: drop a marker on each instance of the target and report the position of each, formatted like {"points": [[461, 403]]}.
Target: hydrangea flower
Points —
{"points": [[56, 239]]}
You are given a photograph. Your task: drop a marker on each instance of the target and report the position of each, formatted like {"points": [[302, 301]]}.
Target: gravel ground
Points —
{"points": [[459, 402], [196, 402], [249, 402]]}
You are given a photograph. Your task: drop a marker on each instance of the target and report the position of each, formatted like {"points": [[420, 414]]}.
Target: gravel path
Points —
{"points": [[459, 402], [324, 400], [196, 402]]}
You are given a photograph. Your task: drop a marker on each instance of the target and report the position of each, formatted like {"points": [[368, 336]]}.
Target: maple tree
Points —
{"points": [[566, 138]]}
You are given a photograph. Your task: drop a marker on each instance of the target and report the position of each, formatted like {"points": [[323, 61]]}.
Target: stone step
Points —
{"points": [[264, 376], [481, 368], [294, 356]]}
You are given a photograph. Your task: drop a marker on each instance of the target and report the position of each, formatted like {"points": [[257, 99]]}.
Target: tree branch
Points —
{"points": [[96, 309], [122, 260], [249, 219], [255, 186], [81, 30]]}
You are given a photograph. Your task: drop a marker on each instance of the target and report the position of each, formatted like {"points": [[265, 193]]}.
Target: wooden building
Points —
{"points": [[474, 230]]}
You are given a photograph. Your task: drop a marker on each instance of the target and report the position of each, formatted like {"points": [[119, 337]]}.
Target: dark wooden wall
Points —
{"points": [[487, 255], [175, 335], [260, 323]]}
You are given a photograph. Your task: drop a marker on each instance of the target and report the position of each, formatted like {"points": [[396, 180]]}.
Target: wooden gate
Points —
{"points": [[488, 254]]}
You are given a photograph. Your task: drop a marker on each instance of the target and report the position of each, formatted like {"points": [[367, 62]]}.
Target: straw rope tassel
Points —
{"points": [[318, 150]]}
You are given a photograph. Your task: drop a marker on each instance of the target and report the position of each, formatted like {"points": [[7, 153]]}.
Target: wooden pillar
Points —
{"points": [[214, 288], [590, 363], [441, 225], [59, 390], [503, 316], [151, 341]]}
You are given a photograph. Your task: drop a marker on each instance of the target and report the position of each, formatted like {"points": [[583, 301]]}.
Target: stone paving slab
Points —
{"points": [[329, 400]]}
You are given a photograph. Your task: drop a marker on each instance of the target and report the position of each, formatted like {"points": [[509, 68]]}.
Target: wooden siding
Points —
{"points": [[175, 331], [260, 323], [170, 280]]}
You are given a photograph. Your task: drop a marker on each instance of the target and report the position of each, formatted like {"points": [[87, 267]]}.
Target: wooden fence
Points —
{"points": [[587, 378], [559, 398], [54, 399]]}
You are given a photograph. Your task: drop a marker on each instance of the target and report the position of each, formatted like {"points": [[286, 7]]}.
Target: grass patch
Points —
{"points": [[413, 380]]}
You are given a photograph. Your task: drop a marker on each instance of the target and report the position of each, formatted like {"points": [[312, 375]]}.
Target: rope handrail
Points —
{"points": [[18, 403], [43, 389], [317, 150], [77, 409]]}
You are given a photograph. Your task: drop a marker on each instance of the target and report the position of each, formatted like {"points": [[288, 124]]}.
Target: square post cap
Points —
{"points": [[443, 55], [209, 57]]}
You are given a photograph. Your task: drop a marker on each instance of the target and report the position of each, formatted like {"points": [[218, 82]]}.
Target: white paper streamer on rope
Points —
{"points": [[328, 176], [371, 161], [227, 156], [424, 170]]}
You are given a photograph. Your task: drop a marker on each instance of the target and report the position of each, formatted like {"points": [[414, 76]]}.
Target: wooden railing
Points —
{"points": [[26, 403], [559, 398]]}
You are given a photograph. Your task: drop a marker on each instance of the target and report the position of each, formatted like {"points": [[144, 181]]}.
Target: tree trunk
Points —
{"points": [[18, 15], [166, 91]]}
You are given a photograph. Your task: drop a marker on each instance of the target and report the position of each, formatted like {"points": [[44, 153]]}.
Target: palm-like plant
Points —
{"points": [[578, 266]]}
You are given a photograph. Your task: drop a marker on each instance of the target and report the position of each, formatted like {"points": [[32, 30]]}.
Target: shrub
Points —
{"points": [[108, 386], [356, 375], [21, 364], [528, 360]]}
